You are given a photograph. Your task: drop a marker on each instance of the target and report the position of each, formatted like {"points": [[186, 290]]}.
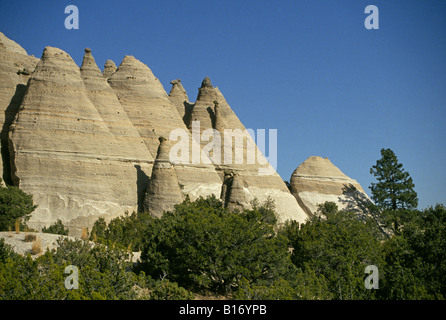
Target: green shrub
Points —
{"points": [[126, 230], [203, 246], [14, 204], [56, 228]]}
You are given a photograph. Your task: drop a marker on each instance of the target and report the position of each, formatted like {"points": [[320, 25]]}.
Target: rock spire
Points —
{"points": [[164, 190], [109, 69]]}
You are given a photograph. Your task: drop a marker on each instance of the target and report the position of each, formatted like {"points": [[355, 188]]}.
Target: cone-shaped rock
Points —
{"points": [[135, 160], [109, 69], [240, 154], [107, 104], [15, 69], [180, 100], [164, 191], [177, 93], [317, 180], [62, 152], [150, 110]]}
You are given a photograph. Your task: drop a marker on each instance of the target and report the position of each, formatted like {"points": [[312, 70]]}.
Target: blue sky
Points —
{"points": [[309, 69]]}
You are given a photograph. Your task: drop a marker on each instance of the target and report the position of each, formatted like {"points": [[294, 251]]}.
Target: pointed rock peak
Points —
{"points": [[10, 45], [109, 64], [130, 66], [206, 83], [109, 69], [131, 60], [318, 166], [88, 58], [89, 66], [51, 52], [178, 92]]}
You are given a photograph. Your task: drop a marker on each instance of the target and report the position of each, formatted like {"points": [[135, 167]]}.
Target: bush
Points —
{"points": [[14, 204], [203, 246], [166, 290], [338, 246], [126, 230], [56, 228]]}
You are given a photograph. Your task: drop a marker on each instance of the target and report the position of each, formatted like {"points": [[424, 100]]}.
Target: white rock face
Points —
{"points": [[317, 180]]}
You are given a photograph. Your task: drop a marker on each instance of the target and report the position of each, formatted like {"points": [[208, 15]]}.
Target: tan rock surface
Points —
{"points": [[109, 69], [135, 160], [15, 68], [62, 151], [152, 113], [258, 177], [318, 180], [164, 190]]}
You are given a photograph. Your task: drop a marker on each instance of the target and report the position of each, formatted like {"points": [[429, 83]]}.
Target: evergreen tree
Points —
{"points": [[395, 188]]}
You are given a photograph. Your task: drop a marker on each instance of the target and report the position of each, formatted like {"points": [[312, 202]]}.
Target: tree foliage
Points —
{"points": [[14, 204], [395, 188], [126, 230], [56, 228], [338, 246], [203, 246], [416, 257]]}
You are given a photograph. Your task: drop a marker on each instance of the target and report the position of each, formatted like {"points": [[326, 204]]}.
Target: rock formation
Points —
{"points": [[317, 180], [62, 151], [178, 97], [153, 115], [164, 190], [261, 181], [134, 159], [109, 69], [237, 198], [83, 143], [15, 68]]}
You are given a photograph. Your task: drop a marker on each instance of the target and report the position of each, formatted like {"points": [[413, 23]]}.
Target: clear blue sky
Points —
{"points": [[307, 68]]}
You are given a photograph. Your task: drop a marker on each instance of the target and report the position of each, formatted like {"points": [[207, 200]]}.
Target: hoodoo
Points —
{"points": [[109, 69], [152, 113], [164, 190], [177, 93]]}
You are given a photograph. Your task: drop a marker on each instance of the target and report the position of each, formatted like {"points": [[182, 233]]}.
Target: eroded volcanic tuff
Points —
{"points": [[89, 144]]}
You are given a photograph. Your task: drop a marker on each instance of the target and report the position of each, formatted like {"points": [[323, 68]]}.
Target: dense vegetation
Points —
{"points": [[201, 248]]}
